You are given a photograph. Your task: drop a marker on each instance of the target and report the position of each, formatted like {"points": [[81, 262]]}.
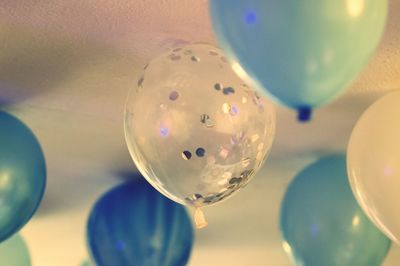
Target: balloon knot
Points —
{"points": [[199, 219], [304, 114]]}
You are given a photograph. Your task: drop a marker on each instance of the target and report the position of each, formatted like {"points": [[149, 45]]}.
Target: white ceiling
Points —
{"points": [[65, 70]]}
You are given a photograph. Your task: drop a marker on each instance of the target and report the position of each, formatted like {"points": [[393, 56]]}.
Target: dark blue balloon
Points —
{"points": [[133, 224], [22, 175], [322, 224]]}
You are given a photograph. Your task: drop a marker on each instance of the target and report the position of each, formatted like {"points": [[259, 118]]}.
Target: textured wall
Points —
{"points": [[145, 27]]}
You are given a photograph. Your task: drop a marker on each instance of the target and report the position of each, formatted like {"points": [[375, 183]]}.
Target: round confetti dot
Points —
{"points": [[218, 86], [207, 121], [204, 118], [226, 108], [140, 81], [173, 95], [195, 59], [200, 152], [197, 196], [228, 90], [234, 111], [164, 131], [186, 155]]}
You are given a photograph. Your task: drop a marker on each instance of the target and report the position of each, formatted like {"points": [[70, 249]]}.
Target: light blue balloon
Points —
{"points": [[133, 224], [303, 53], [322, 224], [22, 175], [14, 252]]}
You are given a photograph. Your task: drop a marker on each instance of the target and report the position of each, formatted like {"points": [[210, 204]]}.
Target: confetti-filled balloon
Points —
{"points": [[22, 175], [303, 53], [134, 225], [194, 129], [322, 224], [14, 252], [373, 163]]}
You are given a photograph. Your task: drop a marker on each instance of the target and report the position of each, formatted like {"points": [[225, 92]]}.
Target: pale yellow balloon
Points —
{"points": [[373, 163], [194, 129]]}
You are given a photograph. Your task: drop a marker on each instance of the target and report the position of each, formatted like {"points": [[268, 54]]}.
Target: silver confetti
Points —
{"points": [[195, 59], [207, 121]]}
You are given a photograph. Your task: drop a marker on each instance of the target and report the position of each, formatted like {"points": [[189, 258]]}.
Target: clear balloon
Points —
{"points": [[22, 175], [14, 252], [373, 163], [134, 225], [322, 224], [303, 53], [194, 129]]}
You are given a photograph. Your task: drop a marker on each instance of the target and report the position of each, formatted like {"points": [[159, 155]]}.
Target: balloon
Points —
{"points": [[14, 252], [303, 53], [373, 164], [194, 129], [86, 263], [321, 222], [133, 224], [22, 175]]}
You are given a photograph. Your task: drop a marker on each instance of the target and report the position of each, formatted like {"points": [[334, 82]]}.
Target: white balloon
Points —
{"points": [[194, 129], [373, 163]]}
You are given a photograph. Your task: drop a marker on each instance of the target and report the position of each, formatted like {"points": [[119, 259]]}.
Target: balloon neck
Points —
{"points": [[304, 114], [199, 219]]}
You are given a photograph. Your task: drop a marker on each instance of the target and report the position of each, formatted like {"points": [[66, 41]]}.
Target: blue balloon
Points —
{"points": [[133, 224], [22, 175], [322, 224], [303, 53]]}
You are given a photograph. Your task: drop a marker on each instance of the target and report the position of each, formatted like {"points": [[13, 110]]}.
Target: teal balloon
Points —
{"points": [[133, 224], [322, 224], [22, 175], [303, 53], [14, 252]]}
